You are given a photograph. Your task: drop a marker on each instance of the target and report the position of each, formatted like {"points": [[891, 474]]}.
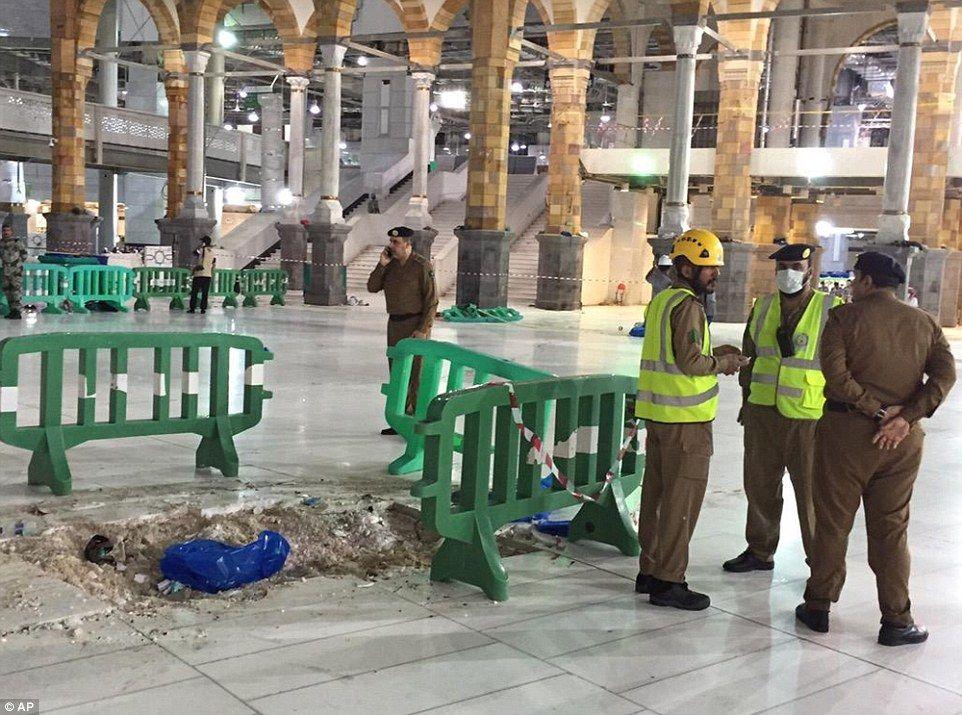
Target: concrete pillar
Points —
{"points": [[786, 37], [194, 206], [675, 210], [483, 243], [329, 208], [631, 254], [108, 35], [932, 145], [12, 187], [812, 83], [272, 149], [292, 233], [894, 221], [419, 215], [295, 150], [626, 115], [215, 89], [107, 203], [732, 200], [569, 83]]}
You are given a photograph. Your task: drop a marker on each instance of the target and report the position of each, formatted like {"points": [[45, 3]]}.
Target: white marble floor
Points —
{"points": [[573, 637]]}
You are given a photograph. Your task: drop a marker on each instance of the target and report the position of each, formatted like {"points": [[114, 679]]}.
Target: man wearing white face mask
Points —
{"points": [[782, 391]]}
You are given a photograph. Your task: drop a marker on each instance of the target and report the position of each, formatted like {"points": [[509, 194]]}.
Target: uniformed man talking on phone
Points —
{"points": [[407, 280]]}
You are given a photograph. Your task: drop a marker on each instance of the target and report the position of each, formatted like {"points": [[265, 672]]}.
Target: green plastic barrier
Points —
{"points": [[263, 281], [113, 285], [494, 492], [226, 284], [157, 282], [47, 284], [434, 356], [51, 438], [474, 314]]}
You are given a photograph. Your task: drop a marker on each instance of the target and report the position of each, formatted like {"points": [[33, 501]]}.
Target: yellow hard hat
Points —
{"points": [[701, 247]]}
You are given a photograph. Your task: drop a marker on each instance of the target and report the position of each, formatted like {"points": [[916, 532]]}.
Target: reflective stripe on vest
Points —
{"points": [[665, 393], [795, 385]]}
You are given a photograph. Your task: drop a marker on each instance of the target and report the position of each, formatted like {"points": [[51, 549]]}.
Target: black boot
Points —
{"points": [[747, 561], [816, 620], [14, 315], [387, 431], [643, 583], [677, 595], [901, 635]]}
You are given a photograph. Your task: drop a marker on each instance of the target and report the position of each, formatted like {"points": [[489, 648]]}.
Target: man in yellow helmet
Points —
{"points": [[677, 397], [782, 393]]}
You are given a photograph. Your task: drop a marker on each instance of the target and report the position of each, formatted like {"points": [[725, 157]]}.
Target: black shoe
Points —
{"points": [[203, 311], [677, 595], [14, 315], [816, 620], [747, 561], [643, 583], [191, 311], [388, 431], [901, 635]]}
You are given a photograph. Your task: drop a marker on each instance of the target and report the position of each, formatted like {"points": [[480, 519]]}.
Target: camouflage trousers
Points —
{"points": [[12, 286]]}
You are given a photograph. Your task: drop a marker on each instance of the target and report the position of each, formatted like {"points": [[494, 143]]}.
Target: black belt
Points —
{"points": [[405, 316]]}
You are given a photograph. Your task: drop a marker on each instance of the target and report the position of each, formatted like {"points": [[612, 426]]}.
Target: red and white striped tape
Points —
{"points": [[543, 456]]}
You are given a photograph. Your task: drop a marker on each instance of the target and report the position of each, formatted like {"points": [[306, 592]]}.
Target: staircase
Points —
{"points": [[523, 264], [360, 268]]}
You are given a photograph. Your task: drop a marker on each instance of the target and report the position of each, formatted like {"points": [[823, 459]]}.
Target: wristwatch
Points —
{"points": [[881, 414]]}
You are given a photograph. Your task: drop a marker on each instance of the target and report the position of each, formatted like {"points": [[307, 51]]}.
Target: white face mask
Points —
{"points": [[789, 281]]}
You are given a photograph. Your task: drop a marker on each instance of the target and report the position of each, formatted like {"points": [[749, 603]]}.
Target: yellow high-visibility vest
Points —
{"points": [[794, 385], [665, 393]]}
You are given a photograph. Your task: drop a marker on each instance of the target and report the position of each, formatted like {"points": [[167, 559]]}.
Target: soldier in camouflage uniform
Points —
{"points": [[13, 253]]}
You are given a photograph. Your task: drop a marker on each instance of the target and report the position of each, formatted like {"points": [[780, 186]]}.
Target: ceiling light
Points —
{"points": [[343, 145], [234, 195], [362, 61], [517, 87], [433, 107], [456, 99], [314, 109], [252, 117], [605, 118], [242, 94], [229, 127], [516, 147], [226, 39], [824, 229], [467, 135], [285, 197]]}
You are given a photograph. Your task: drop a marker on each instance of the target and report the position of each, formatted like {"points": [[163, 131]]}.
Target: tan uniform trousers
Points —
{"points": [[850, 469], [397, 330], [676, 476], [774, 443]]}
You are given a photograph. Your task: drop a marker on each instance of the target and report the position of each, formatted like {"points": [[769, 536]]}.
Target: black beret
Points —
{"points": [[400, 232], [881, 265], [793, 252]]}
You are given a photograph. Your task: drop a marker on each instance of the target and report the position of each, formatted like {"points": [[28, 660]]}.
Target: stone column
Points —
{"points": [[773, 218], [812, 83], [293, 234], [626, 115], [675, 210], [176, 89], [894, 221], [932, 144], [561, 246], [215, 89], [419, 214], [184, 231], [108, 35], [329, 208], [786, 37], [732, 204], [272, 149]]}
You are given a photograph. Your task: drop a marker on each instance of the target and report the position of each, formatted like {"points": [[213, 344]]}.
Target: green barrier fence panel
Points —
{"points": [[42, 283], [474, 314], [263, 281], [51, 438], [113, 285], [158, 282], [226, 284], [499, 482], [435, 357]]}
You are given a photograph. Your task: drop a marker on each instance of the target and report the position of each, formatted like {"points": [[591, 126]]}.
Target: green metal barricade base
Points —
{"points": [[474, 314]]}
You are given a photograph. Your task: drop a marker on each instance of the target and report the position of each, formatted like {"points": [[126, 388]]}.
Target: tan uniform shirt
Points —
{"points": [[793, 307], [205, 263], [876, 352], [688, 335], [409, 288]]}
